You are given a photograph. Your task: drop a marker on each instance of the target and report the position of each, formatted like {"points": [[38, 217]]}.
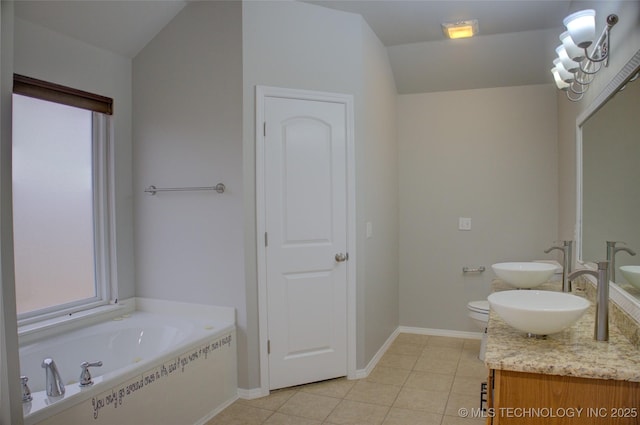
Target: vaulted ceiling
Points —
{"points": [[515, 45]]}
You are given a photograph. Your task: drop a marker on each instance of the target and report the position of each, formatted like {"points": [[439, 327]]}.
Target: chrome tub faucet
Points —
{"points": [[26, 392], [567, 261], [85, 375], [54, 384]]}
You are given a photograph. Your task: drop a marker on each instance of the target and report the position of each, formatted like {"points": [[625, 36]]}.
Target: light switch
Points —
{"points": [[464, 223], [369, 230]]}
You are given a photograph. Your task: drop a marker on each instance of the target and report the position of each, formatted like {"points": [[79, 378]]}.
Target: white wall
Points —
{"points": [[50, 56], [187, 85], [378, 164], [302, 46], [488, 154]]}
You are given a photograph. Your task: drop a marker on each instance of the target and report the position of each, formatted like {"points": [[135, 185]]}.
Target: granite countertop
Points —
{"points": [[572, 352]]}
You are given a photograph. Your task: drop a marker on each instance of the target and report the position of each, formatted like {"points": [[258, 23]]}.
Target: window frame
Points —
{"points": [[103, 194]]}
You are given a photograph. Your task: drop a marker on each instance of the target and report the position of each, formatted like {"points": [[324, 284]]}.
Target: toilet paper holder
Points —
{"points": [[473, 269]]}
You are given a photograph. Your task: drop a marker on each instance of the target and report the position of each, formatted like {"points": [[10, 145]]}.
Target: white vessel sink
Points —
{"points": [[538, 312], [524, 274], [632, 274]]}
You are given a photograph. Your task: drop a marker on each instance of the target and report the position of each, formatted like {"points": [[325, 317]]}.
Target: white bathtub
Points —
{"points": [[157, 369]]}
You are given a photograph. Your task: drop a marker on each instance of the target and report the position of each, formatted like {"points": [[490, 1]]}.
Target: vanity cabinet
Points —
{"points": [[533, 398]]}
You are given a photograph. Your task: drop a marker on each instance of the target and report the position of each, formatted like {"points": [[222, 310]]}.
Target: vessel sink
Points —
{"points": [[524, 274], [538, 312], [632, 274]]}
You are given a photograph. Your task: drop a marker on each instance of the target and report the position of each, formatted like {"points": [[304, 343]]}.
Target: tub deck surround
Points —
{"points": [[162, 350], [572, 352]]}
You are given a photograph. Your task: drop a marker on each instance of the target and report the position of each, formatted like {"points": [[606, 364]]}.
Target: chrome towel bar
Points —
{"points": [[152, 190]]}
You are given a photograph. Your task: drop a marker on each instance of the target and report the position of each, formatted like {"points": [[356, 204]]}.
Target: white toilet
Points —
{"points": [[479, 313]]}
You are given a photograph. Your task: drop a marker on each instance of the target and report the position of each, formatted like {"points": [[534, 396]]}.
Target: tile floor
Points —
{"points": [[420, 380]]}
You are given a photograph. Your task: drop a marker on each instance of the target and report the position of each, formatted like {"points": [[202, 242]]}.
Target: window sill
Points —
{"points": [[32, 332]]}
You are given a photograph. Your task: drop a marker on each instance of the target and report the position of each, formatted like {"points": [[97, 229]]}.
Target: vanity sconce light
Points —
{"points": [[575, 68]]}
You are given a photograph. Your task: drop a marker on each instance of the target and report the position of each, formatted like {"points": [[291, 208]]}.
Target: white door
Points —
{"points": [[306, 231]]}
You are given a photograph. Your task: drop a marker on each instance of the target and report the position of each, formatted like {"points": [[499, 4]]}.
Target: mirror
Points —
{"points": [[610, 168]]}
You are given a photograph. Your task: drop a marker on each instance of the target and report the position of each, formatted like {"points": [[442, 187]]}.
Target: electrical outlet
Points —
{"points": [[464, 223]]}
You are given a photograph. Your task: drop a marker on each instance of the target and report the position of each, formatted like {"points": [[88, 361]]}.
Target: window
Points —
{"points": [[60, 199]]}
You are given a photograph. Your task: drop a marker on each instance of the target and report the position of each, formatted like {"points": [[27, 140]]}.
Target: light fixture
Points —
{"points": [[575, 68], [460, 29]]}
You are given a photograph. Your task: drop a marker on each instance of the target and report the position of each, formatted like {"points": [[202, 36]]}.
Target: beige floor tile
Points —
{"points": [[470, 355], [240, 414], [472, 345], [421, 380], [280, 419], [398, 361], [351, 412], [398, 416], [443, 341], [337, 388], [436, 365], [428, 401], [415, 339], [465, 385], [453, 420], [271, 402], [405, 349], [374, 393], [472, 368], [436, 352], [459, 401], [388, 375], [429, 381], [310, 406]]}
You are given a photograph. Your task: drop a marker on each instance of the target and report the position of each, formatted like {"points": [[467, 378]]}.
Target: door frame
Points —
{"points": [[263, 92]]}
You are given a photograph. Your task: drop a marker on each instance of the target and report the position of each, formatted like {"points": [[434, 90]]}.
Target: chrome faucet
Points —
{"points": [[85, 375], [54, 384], [612, 250], [26, 392], [567, 261], [601, 331]]}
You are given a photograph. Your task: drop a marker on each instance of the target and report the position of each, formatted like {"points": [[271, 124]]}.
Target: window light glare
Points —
{"points": [[461, 29]]}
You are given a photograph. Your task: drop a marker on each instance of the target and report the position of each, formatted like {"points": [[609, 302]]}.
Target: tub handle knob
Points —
{"points": [[26, 392], [85, 375]]}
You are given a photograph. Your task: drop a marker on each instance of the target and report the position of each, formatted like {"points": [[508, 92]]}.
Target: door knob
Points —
{"points": [[340, 257]]}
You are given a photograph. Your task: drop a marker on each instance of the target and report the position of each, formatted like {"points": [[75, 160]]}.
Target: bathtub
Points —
{"points": [[163, 363]]}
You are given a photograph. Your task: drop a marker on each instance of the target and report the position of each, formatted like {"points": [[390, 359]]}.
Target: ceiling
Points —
{"points": [[515, 45]]}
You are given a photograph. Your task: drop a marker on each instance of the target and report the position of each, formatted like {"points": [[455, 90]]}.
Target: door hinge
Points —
{"points": [[266, 239], [264, 129], [268, 346]]}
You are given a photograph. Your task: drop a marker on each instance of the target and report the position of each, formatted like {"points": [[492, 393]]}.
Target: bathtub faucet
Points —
{"points": [[54, 385], [26, 392], [85, 375]]}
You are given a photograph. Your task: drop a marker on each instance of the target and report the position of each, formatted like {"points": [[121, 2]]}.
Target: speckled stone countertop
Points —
{"points": [[572, 352]]}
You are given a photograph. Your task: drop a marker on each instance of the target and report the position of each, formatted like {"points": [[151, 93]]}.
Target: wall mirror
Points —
{"points": [[608, 136]]}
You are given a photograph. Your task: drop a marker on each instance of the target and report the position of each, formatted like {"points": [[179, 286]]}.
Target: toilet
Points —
{"points": [[479, 313]]}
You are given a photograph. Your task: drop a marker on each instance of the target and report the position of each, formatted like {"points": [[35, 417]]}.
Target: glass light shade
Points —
{"points": [[559, 83], [568, 63], [573, 51], [582, 27], [564, 74]]}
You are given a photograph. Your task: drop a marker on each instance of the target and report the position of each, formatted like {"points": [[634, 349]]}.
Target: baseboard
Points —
{"points": [[363, 373], [440, 332], [251, 393]]}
